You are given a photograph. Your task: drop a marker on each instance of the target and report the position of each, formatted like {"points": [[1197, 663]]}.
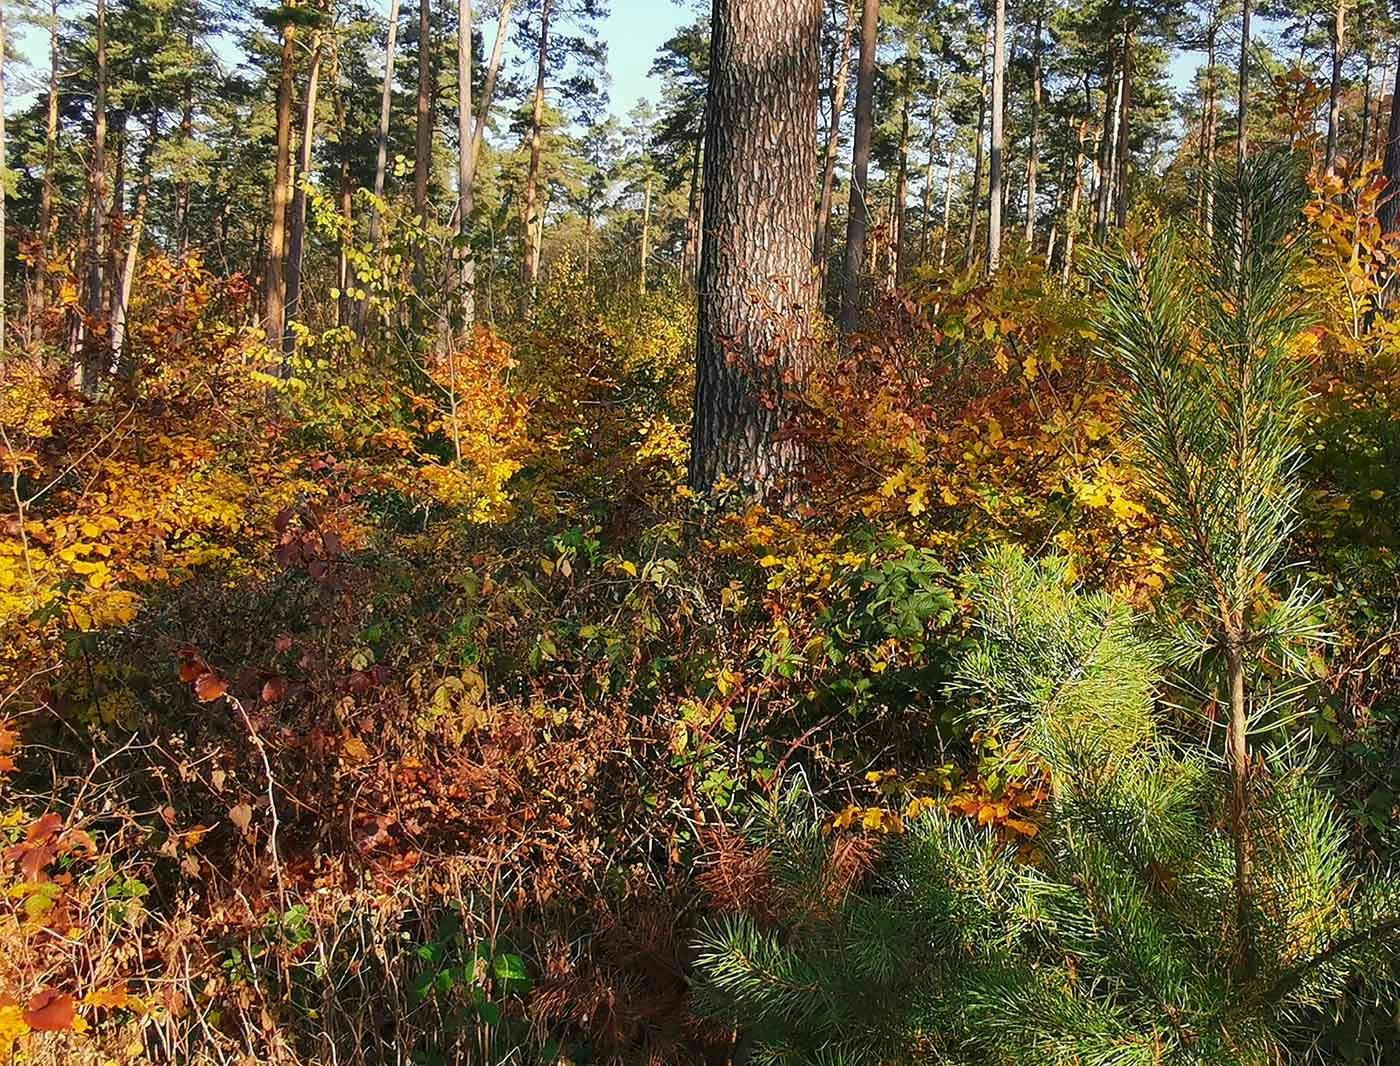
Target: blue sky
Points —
{"points": [[634, 31]]}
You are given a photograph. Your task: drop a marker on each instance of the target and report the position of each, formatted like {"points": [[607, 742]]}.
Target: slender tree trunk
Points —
{"points": [[934, 112], [423, 130], [1334, 94], [975, 196], [1363, 155], [46, 194], [381, 166], [757, 288], [276, 302], [344, 307], [1033, 159], [1072, 214], [899, 216], [1238, 744], [1108, 144], [994, 196], [116, 213], [858, 210], [1124, 125], [646, 241], [183, 191], [296, 243], [690, 261], [122, 303], [97, 195], [947, 213], [821, 250], [534, 216], [1242, 134], [467, 166], [1389, 211]]}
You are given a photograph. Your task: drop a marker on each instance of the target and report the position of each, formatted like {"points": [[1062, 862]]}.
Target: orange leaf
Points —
{"points": [[50, 1011]]}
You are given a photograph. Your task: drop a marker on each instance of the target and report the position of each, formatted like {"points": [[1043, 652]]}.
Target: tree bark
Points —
{"points": [[1388, 213], [858, 209], [821, 245], [1334, 93], [994, 193], [533, 216], [296, 243], [423, 132], [276, 303], [757, 287]]}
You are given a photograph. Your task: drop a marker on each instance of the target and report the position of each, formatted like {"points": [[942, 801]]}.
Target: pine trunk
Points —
{"points": [[994, 194], [97, 199], [276, 302], [821, 246], [1124, 127], [46, 194], [757, 289], [533, 215], [1334, 93], [1389, 210], [296, 242], [1033, 160], [975, 195], [423, 133]]}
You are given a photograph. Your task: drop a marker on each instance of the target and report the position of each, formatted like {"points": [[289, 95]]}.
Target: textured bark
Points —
{"points": [[1334, 93], [858, 208], [757, 287], [994, 173], [275, 309], [533, 213], [296, 242], [821, 245]]}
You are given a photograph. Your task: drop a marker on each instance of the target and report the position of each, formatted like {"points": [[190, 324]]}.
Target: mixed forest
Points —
{"points": [[885, 551]]}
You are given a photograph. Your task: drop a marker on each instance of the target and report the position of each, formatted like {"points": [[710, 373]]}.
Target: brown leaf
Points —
{"points": [[241, 816], [209, 686], [50, 1011], [274, 689]]}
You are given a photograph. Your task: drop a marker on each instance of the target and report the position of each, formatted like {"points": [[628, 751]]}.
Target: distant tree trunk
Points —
{"points": [[344, 307], [821, 246], [182, 189], [471, 144], [757, 290], [1125, 93], [1363, 154], [975, 196], [1108, 144], [899, 216], [1033, 160], [646, 240], [1072, 213], [858, 208], [994, 192], [46, 194], [97, 196], [934, 111], [1242, 134], [534, 217], [116, 212], [1389, 211], [121, 308], [1334, 94], [423, 139], [386, 103], [296, 245], [276, 305], [690, 259], [947, 213]]}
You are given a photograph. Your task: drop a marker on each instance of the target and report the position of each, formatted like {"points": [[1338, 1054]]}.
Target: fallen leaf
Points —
{"points": [[50, 1011]]}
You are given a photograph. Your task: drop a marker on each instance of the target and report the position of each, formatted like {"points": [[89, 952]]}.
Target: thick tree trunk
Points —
{"points": [[757, 289], [296, 243], [821, 245], [97, 197], [1033, 159], [994, 194], [533, 214], [276, 301], [1334, 93], [858, 209]]}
